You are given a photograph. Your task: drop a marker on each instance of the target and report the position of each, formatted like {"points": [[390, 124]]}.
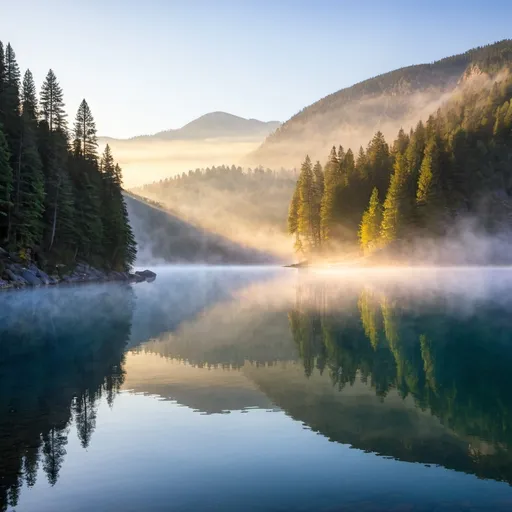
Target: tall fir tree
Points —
{"points": [[11, 102], [88, 187], [306, 213], [293, 218], [85, 142], [318, 183], [6, 180], [430, 194], [28, 197], [328, 203], [369, 230], [397, 206], [2, 82], [52, 103]]}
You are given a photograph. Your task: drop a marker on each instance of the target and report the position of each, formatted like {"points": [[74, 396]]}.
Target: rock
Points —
{"points": [[136, 278], [14, 278], [4, 284], [45, 278], [30, 278], [148, 275]]}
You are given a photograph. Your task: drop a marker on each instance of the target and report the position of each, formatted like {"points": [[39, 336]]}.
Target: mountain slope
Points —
{"points": [[164, 238], [387, 102]]}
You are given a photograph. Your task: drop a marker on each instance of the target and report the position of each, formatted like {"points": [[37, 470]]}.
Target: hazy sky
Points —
{"points": [[149, 65]]}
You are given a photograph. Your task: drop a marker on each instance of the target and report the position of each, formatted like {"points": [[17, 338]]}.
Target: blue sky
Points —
{"points": [[150, 65]]}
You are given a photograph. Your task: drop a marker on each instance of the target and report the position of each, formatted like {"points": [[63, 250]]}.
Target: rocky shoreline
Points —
{"points": [[15, 273]]}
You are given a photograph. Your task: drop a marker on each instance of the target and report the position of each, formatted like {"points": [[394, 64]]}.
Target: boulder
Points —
{"points": [[148, 275], [136, 278], [45, 278], [31, 278], [14, 278]]}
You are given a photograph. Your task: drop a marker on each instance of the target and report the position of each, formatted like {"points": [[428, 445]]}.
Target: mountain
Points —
{"points": [[213, 139], [214, 125], [387, 102]]}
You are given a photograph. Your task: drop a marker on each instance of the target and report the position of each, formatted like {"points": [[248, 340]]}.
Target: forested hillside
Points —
{"points": [[247, 206], [455, 166], [165, 238], [387, 102], [59, 202]]}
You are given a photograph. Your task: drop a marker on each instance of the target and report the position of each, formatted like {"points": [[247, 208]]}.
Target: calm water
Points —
{"points": [[259, 389]]}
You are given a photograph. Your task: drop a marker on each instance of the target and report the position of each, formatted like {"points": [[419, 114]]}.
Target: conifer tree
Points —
{"points": [[6, 180], [52, 103], [397, 206], [306, 212], [293, 218], [379, 164], [2, 81], [429, 197], [328, 203], [85, 143], [88, 186], [28, 196], [369, 231], [11, 105], [318, 179]]}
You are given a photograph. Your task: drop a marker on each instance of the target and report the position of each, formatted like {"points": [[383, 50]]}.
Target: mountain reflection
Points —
{"points": [[450, 353], [61, 351], [412, 367]]}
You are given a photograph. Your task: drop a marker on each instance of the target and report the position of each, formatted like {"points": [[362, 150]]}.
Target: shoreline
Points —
{"points": [[16, 274]]}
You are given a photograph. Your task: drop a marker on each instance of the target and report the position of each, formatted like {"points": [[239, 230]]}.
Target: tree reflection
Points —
{"points": [[56, 363], [451, 362]]}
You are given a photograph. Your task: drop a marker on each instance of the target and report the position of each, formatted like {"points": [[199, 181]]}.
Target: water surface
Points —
{"points": [[259, 389]]}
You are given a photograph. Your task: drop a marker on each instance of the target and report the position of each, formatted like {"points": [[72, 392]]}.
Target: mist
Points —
{"points": [[353, 124], [146, 160]]}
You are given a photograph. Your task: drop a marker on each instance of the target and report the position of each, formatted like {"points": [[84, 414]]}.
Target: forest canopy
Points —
{"points": [[456, 165], [59, 201]]}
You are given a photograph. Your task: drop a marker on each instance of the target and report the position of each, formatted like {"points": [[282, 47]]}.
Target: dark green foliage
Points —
{"points": [[52, 103], [54, 202], [85, 142], [119, 245], [28, 193], [6, 180]]}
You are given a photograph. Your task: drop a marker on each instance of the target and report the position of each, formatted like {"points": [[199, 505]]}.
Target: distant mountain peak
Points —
{"points": [[216, 124]]}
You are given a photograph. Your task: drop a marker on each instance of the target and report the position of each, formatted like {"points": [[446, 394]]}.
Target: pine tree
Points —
{"points": [[59, 214], [397, 206], [429, 197], [369, 231], [293, 218], [11, 110], [86, 142], [52, 103], [318, 182], [379, 164], [88, 183], [328, 203], [306, 212], [6, 180], [28, 196], [2, 82]]}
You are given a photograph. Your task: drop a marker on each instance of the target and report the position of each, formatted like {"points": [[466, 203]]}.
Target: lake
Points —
{"points": [[232, 388]]}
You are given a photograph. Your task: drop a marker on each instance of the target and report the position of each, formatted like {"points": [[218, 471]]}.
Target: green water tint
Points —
{"points": [[393, 369]]}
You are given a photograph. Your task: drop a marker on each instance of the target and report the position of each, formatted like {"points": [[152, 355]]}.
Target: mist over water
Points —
{"points": [[337, 378]]}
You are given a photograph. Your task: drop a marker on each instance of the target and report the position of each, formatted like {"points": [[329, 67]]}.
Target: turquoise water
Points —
{"points": [[259, 389]]}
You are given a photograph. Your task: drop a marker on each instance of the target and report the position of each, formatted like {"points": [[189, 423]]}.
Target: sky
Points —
{"points": [[151, 65]]}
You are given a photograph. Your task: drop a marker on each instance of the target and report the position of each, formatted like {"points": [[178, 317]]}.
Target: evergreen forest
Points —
{"points": [[60, 202], [455, 165]]}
